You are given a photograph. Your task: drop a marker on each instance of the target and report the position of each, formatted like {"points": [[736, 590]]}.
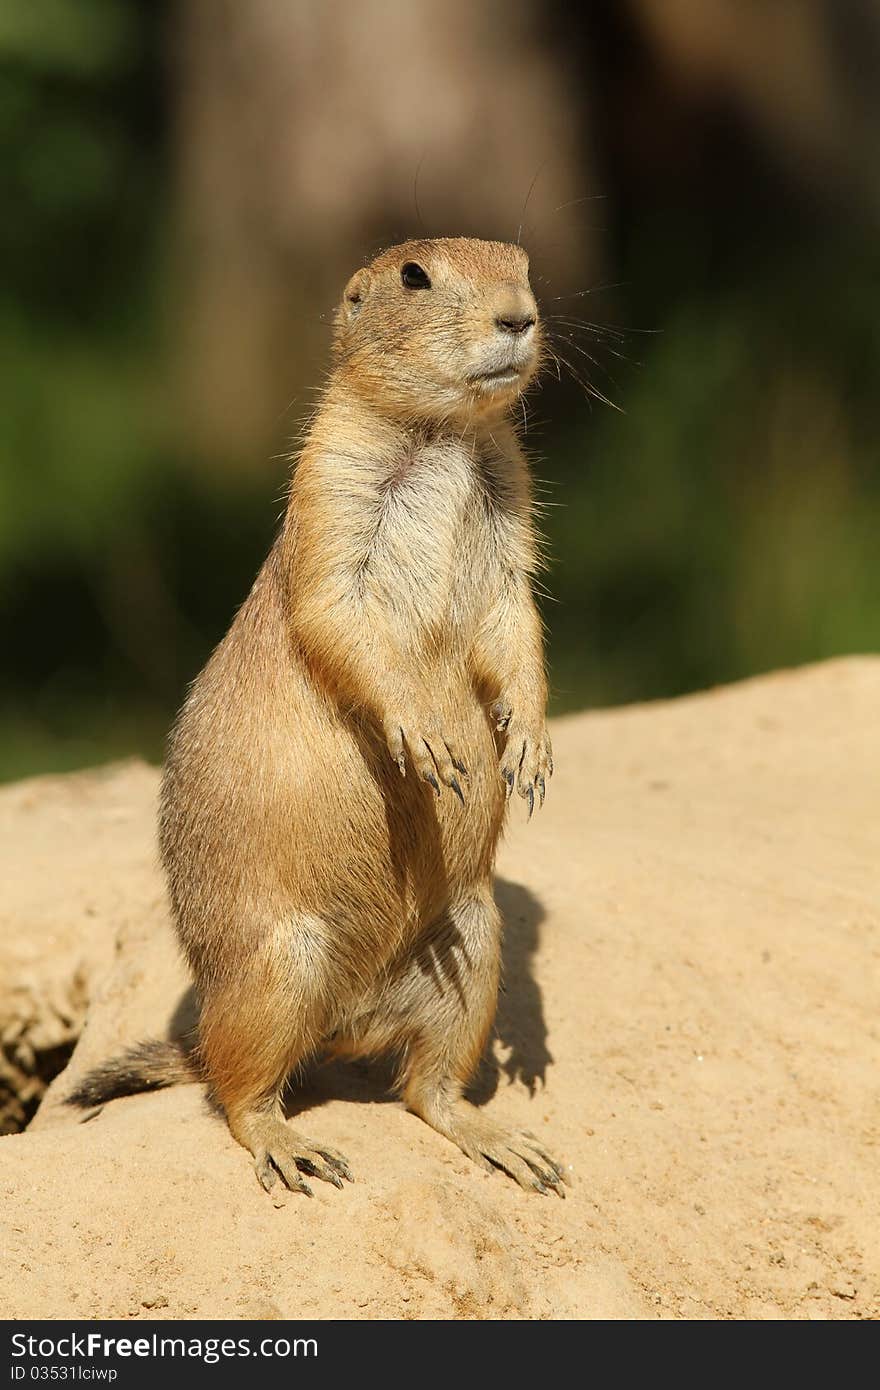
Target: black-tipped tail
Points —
{"points": [[147, 1067]]}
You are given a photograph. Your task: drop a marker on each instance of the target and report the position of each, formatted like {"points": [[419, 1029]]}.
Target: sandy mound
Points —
{"points": [[690, 1018], [61, 910]]}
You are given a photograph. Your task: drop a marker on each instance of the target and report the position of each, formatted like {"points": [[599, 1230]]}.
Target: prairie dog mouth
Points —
{"points": [[499, 377]]}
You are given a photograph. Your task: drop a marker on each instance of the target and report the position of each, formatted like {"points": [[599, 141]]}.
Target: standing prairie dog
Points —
{"points": [[336, 781]]}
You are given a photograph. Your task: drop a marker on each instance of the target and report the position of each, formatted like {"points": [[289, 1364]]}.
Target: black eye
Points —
{"points": [[414, 277]]}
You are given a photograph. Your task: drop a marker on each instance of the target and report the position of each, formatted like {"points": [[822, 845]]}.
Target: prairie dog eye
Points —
{"points": [[414, 278]]}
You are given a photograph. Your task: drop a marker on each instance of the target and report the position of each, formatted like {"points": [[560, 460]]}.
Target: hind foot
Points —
{"points": [[281, 1151], [517, 1152]]}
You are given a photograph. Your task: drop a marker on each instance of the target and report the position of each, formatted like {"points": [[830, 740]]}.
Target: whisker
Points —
{"points": [[596, 289], [555, 360], [522, 216], [589, 389], [419, 217], [598, 331], [594, 360], [610, 329], [587, 198], [605, 347], [588, 323]]}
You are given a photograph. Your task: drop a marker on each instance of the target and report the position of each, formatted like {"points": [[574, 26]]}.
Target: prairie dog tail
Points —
{"points": [[147, 1067]]}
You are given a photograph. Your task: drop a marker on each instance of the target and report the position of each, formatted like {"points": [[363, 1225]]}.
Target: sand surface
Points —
{"points": [[690, 1020]]}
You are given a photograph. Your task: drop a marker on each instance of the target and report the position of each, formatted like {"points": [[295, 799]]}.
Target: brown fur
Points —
{"points": [[336, 783]]}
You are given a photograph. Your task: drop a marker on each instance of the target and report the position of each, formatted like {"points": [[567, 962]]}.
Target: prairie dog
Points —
{"points": [[336, 781]]}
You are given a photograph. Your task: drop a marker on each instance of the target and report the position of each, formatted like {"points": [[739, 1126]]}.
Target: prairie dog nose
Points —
{"points": [[515, 310]]}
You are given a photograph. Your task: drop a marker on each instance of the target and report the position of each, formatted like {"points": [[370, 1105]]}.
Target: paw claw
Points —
{"points": [[501, 713], [281, 1151], [527, 752], [292, 1180], [337, 1163], [421, 741], [510, 1150], [266, 1174], [457, 789]]}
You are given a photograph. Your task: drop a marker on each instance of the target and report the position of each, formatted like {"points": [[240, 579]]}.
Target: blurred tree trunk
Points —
{"points": [[310, 133]]}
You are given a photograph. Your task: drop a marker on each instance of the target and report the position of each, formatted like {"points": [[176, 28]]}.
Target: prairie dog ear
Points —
{"points": [[356, 292]]}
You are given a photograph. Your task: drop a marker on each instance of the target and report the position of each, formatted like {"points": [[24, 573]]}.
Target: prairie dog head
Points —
{"points": [[441, 329]]}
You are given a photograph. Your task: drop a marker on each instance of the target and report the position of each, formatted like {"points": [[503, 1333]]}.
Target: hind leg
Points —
{"points": [[254, 1029], [449, 993]]}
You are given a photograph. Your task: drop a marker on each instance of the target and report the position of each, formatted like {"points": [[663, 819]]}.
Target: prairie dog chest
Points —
{"points": [[445, 530]]}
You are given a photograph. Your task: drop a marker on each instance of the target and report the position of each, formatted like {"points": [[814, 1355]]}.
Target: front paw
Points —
{"points": [[527, 759], [429, 747]]}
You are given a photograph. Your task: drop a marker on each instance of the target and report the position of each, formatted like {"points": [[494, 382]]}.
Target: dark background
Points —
{"points": [[185, 189]]}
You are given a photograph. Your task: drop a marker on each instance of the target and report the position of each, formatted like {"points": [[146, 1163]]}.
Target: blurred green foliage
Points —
{"points": [[727, 523], [724, 523]]}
